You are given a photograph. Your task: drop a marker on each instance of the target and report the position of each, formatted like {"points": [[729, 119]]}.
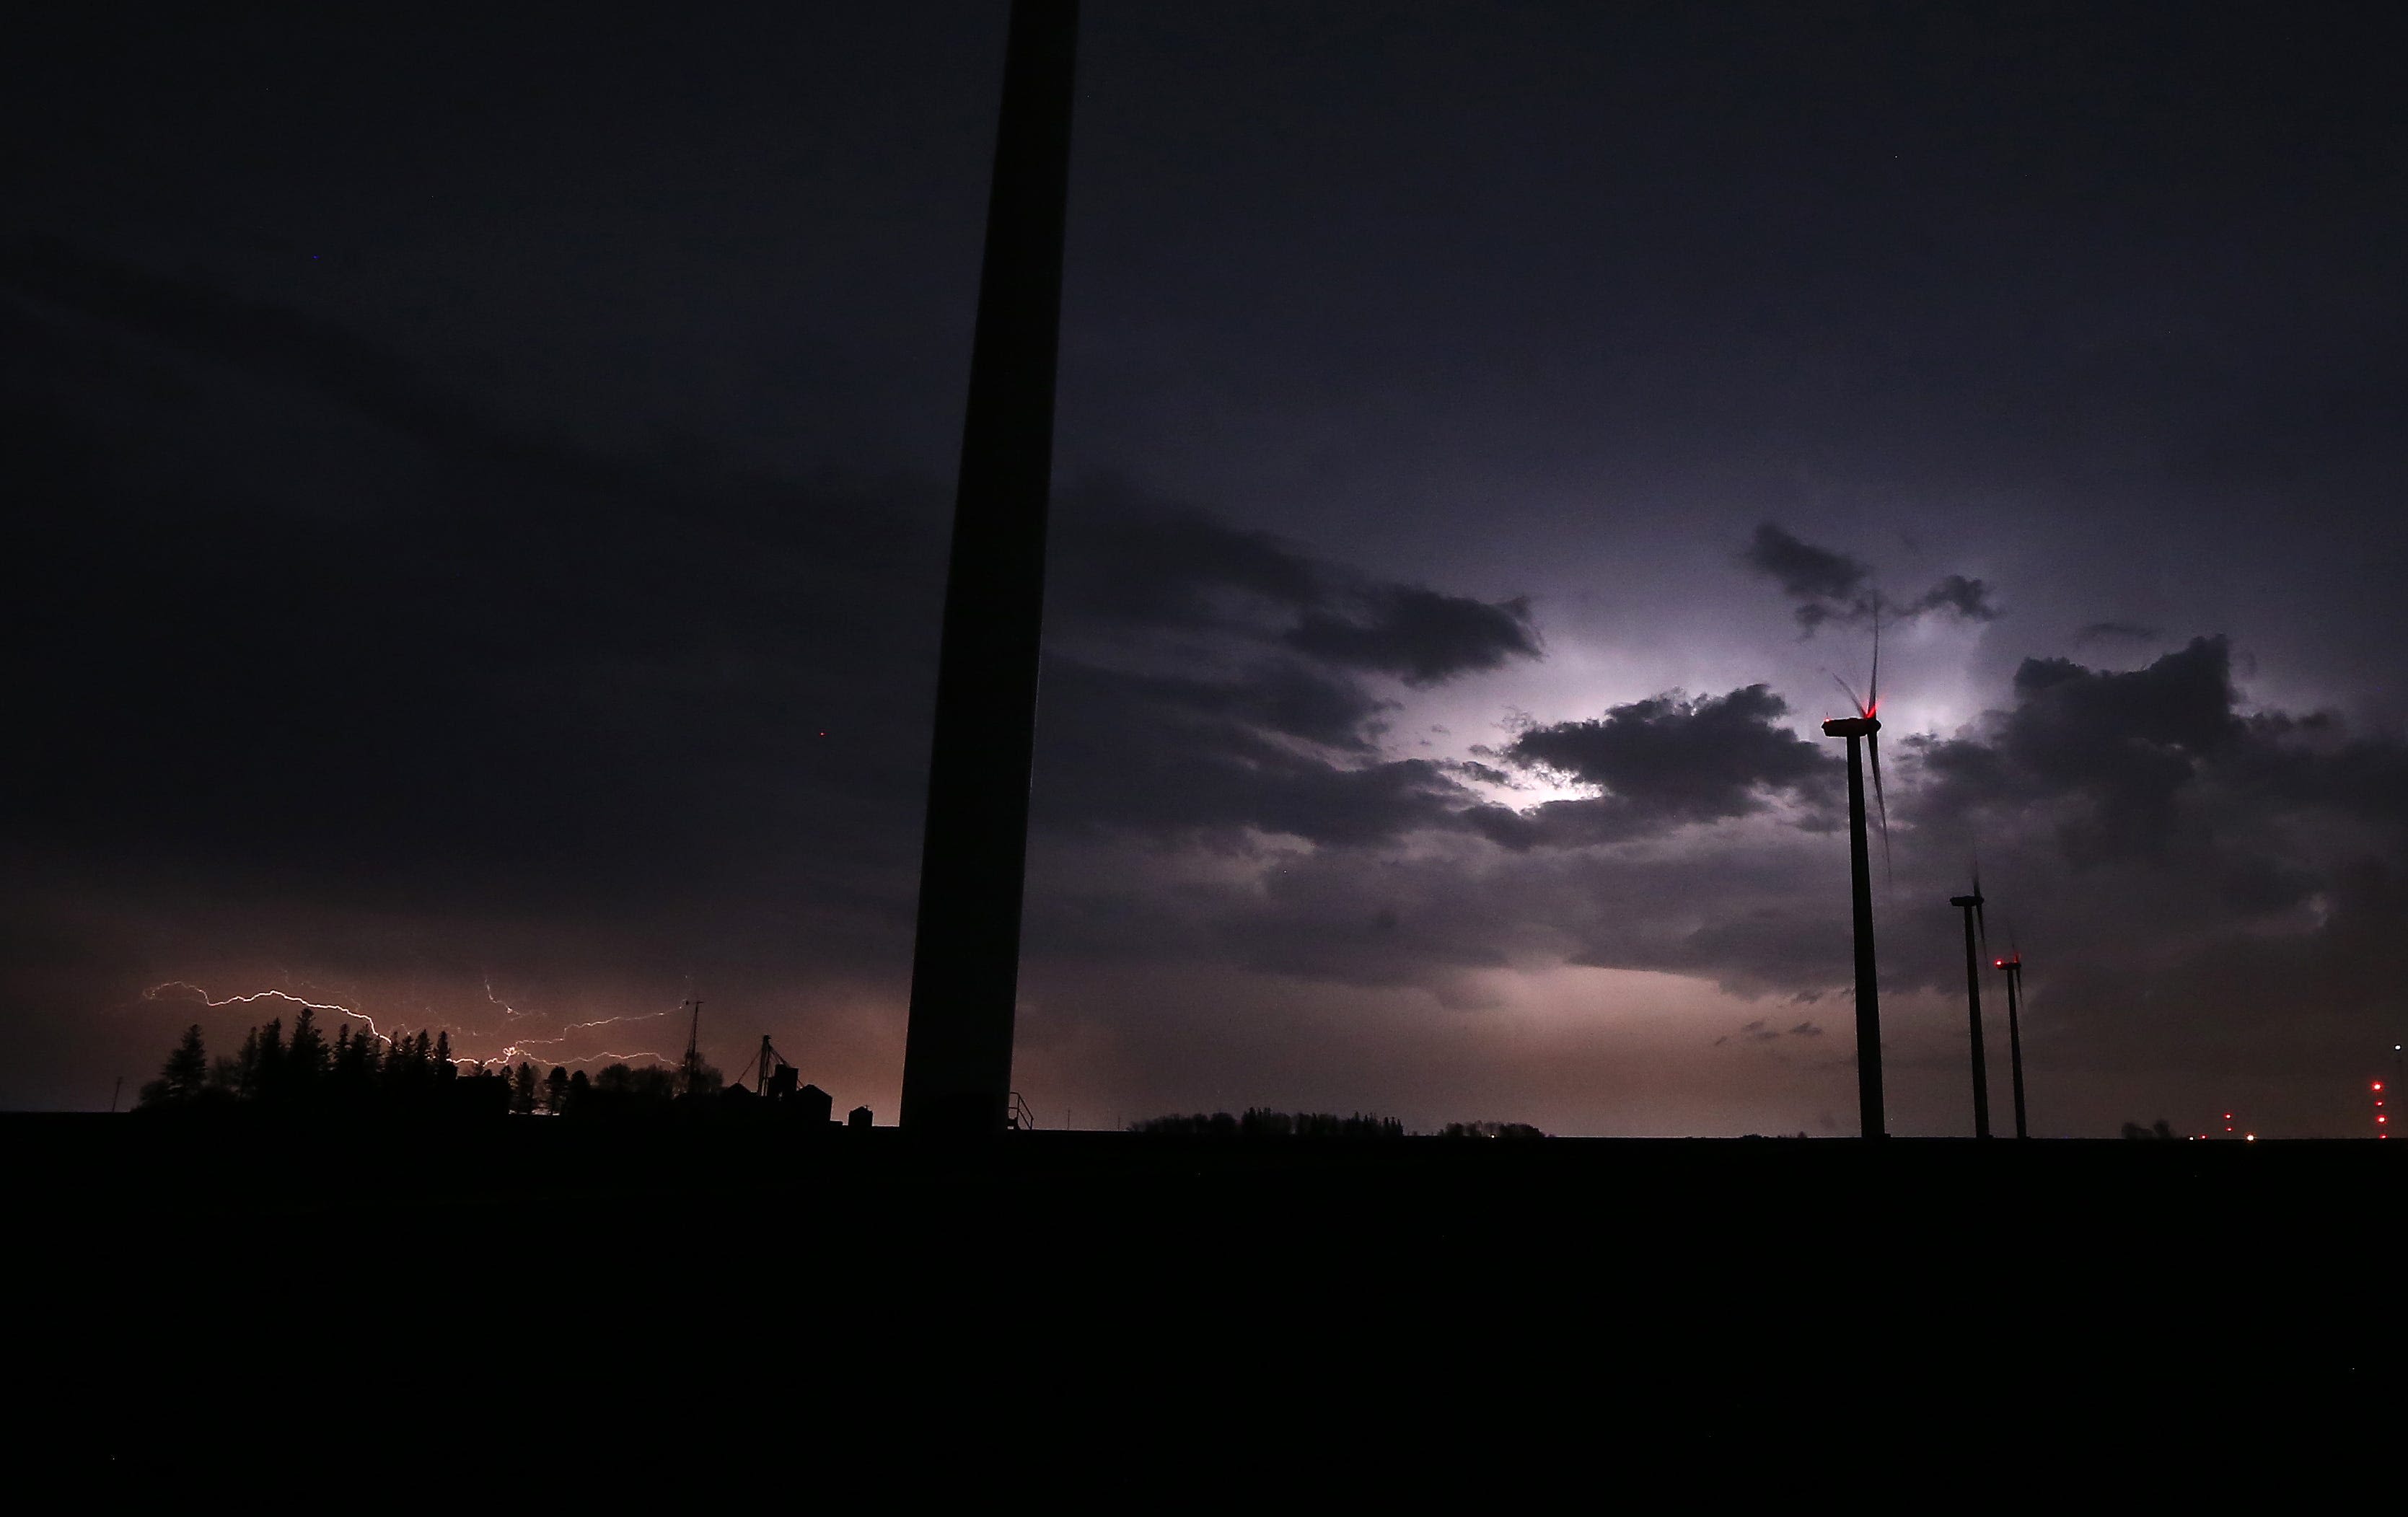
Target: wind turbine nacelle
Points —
{"points": [[1851, 726]]}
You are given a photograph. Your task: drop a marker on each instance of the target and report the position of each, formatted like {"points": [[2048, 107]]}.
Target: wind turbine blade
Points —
{"points": [[1850, 694], [1873, 690], [1981, 918], [1872, 747]]}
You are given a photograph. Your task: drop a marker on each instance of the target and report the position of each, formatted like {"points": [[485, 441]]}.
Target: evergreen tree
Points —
{"points": [[446, 1070], [305, 1057], [183, 1076], [187, 1071], [269, 1079], [523, 1090], [555, 1090], [246, 1083], [354, 1073], [398, 1063], [581, 1091]]}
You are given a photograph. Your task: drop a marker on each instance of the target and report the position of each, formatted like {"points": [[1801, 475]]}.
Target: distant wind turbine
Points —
{"points": [[2014, 964], [1971, 907], [1861, 731]]}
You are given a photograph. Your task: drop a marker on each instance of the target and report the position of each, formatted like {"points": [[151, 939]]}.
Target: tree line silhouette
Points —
{"points": [[1259, 1123], [364, 1071], [404, 1072]]}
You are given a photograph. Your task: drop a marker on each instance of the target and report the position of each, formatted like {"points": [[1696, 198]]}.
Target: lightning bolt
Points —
{"points": [[526, 1044], [152, 994], [515, 1049]]}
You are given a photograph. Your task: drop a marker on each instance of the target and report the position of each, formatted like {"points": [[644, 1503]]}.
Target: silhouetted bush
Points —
{"points": [[1489, 1129], [2160, 1129]]}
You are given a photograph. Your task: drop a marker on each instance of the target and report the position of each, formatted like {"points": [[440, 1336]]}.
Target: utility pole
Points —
{"points": [[965, 957], [694, 1047]]}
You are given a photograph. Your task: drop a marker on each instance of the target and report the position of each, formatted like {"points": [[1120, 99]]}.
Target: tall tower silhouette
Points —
{"points": [[2014, 964], [1863, 732], [1972, 908], [966, 956]]}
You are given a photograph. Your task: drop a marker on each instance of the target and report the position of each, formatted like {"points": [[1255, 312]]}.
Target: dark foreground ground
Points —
{"points": [[182, 1275]]}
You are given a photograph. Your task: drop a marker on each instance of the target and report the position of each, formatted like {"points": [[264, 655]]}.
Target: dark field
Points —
{"points": [[189, 1269]]}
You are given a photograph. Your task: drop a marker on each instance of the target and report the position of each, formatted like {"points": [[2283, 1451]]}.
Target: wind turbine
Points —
{"points": [[1971, 907], [2014, 964], [1861, 731]]}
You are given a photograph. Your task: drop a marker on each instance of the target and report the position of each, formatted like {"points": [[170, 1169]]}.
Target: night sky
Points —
{"points": [[477, 488]]}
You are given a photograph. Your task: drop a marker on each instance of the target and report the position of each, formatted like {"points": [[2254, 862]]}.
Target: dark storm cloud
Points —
{"points": [[2182, 847], [1182, 758], [1702, 758], [1120, 556], [1959, 597], [1661, 763], [2160, 764], [1418, 635], [1831, 588], [2128, 746], [1804, 571], [2204, 891], [1126, 558], [1281, 739]]}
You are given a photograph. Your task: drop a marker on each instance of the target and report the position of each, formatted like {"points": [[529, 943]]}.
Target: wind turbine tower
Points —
{"points": [[1862, 733], [2014, 964], [966, 954], [1971, 907]]}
